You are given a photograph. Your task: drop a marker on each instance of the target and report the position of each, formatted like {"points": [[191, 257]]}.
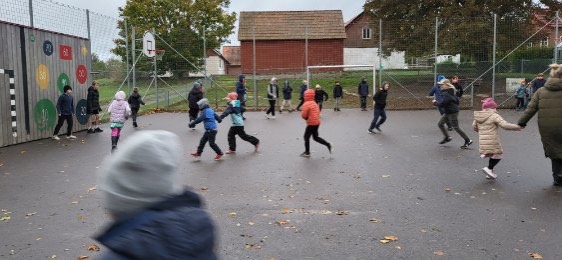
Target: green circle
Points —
{"points": [[45, 114], [62, 81]]}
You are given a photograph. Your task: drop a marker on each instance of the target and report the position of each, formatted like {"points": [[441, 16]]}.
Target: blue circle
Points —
{"points": [[48, 48], [81, 112]]}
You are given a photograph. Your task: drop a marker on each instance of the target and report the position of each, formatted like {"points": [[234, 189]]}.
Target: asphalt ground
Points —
{"points": [[431, 199]]}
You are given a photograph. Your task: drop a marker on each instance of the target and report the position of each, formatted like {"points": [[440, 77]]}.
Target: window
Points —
{"points": [[544, 42], [220, 63], [530, 45], [366, 33]]}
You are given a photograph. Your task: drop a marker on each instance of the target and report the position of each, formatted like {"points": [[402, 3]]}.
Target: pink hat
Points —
{"points": [[489, 103], [232, 96]]}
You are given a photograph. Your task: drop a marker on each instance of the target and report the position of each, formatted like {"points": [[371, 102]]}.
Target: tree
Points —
{"points": [[465, 26], [180, 23]]}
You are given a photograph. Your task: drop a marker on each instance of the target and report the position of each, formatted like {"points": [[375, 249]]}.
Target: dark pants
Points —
{"points": [[442, 111], [363, 100], [271, 107], [209, 136], [453, 118], [193, 112], [379, 112], [320, 104], [312, 130], [69, 123], [557, 170], [300, 103], [239, 130], [134, 113], [242, 104], [520, 103]]}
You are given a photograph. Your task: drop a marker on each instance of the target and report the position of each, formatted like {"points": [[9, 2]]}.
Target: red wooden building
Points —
{"points": [[281, 40]]}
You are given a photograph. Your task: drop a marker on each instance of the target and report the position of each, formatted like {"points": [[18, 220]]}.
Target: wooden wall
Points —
{"points": [[42, 63]]}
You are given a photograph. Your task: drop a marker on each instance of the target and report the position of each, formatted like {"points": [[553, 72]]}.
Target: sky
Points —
{"points": [[350, 8]]}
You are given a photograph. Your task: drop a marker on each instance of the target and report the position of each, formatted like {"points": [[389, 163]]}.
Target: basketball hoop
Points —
{"points": [[159, 54]]}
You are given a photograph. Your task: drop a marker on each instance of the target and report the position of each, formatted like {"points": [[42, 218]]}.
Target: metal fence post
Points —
{"points": [[380, 58], [134, 55], [127, 53], [88, 23], [204, 55], [155, 75], [494, 57], [556, 37], [254, 57], [306, 47], [436, 50], [31, 13]]}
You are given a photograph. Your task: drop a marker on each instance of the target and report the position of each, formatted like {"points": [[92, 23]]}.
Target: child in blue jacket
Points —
{"points": [[520, 94], [209, 119]]}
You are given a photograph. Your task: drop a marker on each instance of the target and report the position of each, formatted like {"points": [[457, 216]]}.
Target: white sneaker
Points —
{"points": [[273, 117], [266, 116], [56, 137], [489, 173], [71, 137]]}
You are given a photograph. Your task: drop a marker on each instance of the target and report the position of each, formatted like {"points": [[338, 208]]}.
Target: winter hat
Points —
{"points": [[196, 85], [440, 78], [203, 102], [489, 103], [120, 95], [141, 173], [232, 96], [241, 77]]}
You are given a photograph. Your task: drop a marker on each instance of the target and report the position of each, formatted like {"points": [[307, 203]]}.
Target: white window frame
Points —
{"points": [[366, 31], [544, 42]]}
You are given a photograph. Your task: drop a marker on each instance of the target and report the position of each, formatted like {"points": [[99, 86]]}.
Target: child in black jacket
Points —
{"points": [[338, 95], [135, 101], [320, 96]]}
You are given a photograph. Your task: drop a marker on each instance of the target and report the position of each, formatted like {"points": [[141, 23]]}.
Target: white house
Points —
{"points": [[216, 64]]}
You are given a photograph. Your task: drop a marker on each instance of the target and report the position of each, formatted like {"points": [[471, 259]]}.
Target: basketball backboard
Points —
{"points": [[148, 44]]}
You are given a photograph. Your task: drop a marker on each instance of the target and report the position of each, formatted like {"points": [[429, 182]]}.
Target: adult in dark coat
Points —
{"points": [[93, 108], [193, 97], [547, 102], [363, 92], [154, 217]]}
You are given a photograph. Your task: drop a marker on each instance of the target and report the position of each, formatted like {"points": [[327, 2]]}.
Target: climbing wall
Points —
{"points": [[35, 65]]}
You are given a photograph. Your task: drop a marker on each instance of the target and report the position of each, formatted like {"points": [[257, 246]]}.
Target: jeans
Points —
{"points": [[193, 112], [520, 103], [453, 119], [286, 102], [320, 104], [379, 112], [271, 107], [134, 113], [557, 170], [69, 122], [363, 100], [442, 111], [209, 136], [239, 130], [300, 104], [338, 102], [312, 130]]}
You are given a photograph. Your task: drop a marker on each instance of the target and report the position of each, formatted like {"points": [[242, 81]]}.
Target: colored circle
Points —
{"points": [[42, 76], [62, 81], [45, 114], [81, 112], [48, 48], [84, 51], [81, 74]]}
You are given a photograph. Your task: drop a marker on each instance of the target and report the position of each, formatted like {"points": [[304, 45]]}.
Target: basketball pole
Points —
{"points": [[155, 74]]}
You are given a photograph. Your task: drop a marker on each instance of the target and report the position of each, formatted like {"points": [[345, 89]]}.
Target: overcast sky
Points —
{"points": [[350, 8]]}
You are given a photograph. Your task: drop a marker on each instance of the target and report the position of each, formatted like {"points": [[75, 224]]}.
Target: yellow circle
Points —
{"points": [[42, 76], [84, 51]]}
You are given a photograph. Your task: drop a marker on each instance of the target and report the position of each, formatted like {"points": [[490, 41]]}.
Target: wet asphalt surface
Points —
{"points": [[277, 205]]}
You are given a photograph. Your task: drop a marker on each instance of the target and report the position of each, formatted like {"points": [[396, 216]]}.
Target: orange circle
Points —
{"points": [[42, 76]]}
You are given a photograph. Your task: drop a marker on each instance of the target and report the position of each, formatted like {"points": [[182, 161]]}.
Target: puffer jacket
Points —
{"points": [[194, 96], [310, 110], [486, 123], [177, 228], [547, 101], [93, 100], [119, 108], [449, 101], [363, 89], [208, 117], [235, 111]]}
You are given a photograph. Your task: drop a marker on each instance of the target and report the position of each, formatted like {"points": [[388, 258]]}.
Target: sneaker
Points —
{"points": [[71, 137], [218, 157], [371, 131], [230, 152], [446, 140], [450, 129], [90, 131], [98, 130], [330, 148], [56, 137], [305, 154], [556, 183], [266, 116], [467, 144], [135, 124], [378, 129], [489, 173], [273, 117], [257, 146], [280, 111], [196, 154]]}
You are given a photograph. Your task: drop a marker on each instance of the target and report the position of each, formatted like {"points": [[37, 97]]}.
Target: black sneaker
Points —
{"points": [[371, 131], [98, 130], [330, 147], [305, 154], [467, 144], [135, 124], [90, 131], [378, 129], [450, 129], [446, 140]]}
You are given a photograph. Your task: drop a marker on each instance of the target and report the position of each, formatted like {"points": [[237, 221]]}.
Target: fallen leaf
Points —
{"points": [[282, 222], [384, 241], [82, 257], [53, 256], [22, 152], [204, 189], [398, 247], [342, 213], [92, 189], [251, 223], [30, 214], [439, 253], [391, 238], [93, 247], [447, 189], [232, 214], [5, 218], [374, 220], [386, 176], [535, 255]]}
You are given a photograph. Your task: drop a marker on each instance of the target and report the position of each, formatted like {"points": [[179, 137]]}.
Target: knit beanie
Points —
{"points": [[142, 172], [489, 103], [202, 103], [120, 95], [232, 96]]}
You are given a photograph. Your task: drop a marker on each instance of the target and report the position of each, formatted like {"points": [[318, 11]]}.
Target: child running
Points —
{"points": [[311, 113], [120, 111], [209, 119], [486, 123], [135, 101], [235, 111]]}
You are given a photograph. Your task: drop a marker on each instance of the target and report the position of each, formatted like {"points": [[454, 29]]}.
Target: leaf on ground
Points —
{"points": [[374, 220], [232, 214], [535, 255], [5, 218], [204, 189], [30, 214], [398, 247], [251, 223], [83, 257], [22, 152], [439, 253], [342, 213], [386, 176], [1, 164], [92, 189], [447, 189], [384, 241], [391, 238], [282, 222], [93, 247], [53, 256]]}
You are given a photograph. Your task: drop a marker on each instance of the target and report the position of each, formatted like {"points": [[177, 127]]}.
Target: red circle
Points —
{"points": [[81, 74]]}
